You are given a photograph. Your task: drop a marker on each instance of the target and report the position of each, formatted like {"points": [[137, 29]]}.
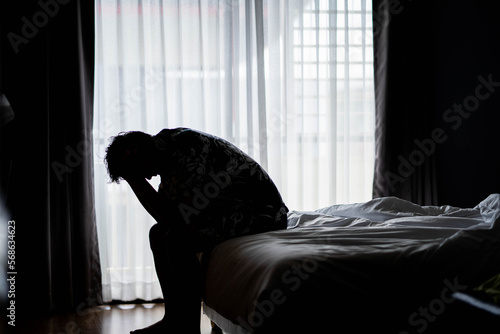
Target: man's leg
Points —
{"points": [[179, 273]]}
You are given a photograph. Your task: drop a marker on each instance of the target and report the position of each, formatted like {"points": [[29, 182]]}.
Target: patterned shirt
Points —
{"points": [[215, 188]]}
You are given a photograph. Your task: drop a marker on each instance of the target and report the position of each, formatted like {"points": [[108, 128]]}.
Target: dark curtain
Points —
{"points": [[404, 99], [437, 105], [47, 76]]}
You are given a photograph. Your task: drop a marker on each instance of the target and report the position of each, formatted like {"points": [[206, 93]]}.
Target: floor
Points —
{"points": [[106, 319]]}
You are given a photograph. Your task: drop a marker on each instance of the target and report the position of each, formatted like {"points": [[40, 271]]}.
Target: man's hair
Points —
{"points": [[121, 146]]}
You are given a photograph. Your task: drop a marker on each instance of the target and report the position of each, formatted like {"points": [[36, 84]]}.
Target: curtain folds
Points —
{"points": [[289, 82], [49, 83], [404, 66]]}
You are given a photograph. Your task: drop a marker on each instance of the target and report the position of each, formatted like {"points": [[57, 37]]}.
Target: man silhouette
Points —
{"points": [[210, 191]]}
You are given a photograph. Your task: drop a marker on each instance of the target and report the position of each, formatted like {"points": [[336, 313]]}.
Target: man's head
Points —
{"points": [[131, 153]]}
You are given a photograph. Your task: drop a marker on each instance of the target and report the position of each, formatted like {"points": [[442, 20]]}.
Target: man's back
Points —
{"points": [[218, 190]]}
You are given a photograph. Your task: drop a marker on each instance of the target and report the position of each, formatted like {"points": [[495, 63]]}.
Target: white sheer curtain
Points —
{"points": [[289, 82]]}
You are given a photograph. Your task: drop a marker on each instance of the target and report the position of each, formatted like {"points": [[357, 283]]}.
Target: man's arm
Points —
{"points": [[149, 198]]}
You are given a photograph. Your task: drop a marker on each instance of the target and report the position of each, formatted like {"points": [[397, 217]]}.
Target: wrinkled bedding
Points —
{"points": [[364, 264]]}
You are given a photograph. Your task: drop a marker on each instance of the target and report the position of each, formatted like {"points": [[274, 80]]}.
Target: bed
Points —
{"points": [[384, 265]]}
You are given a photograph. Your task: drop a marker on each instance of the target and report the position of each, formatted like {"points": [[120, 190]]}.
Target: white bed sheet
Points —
{"points": [[384, 250]]}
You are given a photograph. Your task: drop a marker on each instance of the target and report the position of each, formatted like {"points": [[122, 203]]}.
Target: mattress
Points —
{"points": [[365, 265]]}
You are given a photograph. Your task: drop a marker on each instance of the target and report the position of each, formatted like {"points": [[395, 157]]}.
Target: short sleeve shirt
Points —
{"points": [[216, 189]]}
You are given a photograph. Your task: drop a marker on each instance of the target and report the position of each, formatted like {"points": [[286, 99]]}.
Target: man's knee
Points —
{"points": [[163, 239], [157, 236]]}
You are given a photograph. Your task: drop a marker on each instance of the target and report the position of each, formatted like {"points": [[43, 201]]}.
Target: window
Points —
{"points": [[290, 83]]}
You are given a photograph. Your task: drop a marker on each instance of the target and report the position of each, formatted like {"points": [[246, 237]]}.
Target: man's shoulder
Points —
{"points": [[181, 132], [166, 136], [181, 139], [185, 134], [170, 132]]}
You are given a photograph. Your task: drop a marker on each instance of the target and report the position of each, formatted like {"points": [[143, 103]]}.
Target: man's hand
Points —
{"points": [[149, 197]]}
